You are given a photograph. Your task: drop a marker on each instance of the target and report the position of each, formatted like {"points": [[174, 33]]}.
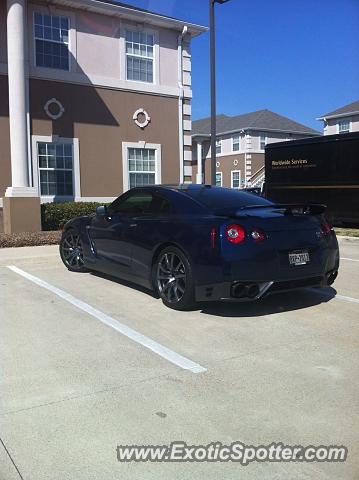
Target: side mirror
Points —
{"points": [[101, 211]]}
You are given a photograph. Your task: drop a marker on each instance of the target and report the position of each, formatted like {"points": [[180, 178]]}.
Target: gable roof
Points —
{"points": [[343, 111], [259, 120]]}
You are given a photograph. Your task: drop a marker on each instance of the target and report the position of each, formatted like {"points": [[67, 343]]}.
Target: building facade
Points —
{"points": [[241, 141], [342, 120], [95, 97]]}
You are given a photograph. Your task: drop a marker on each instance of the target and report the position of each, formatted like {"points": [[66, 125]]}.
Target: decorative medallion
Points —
{"points": [[141, 118], [218, 164], [54, 109], [235, 162]]}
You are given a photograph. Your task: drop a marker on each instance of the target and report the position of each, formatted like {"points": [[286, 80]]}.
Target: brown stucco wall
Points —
{"points": [[5, 166], [102, 119], [226, 166], [257, 162]]}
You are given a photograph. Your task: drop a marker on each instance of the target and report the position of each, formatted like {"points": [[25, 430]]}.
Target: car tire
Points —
{"points": [[173, 279], [71, 251]]}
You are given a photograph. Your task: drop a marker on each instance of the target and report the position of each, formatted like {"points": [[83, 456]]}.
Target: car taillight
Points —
{"points": [[326, 228], [235, 234], [257, 235]]}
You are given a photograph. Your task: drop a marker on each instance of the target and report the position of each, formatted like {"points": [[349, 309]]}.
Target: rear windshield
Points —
{"points": [[224, 200]]}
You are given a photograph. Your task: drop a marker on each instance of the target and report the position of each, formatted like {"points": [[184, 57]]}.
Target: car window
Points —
{"points": [[140, 203], [159, 205], [223, 199]]}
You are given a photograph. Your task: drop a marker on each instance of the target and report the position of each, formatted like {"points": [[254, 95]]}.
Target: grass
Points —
{"points": [[347, 232], [29, 239]]}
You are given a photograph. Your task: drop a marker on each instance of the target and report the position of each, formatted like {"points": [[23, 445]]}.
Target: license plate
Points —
{"points": [[298, 258]]}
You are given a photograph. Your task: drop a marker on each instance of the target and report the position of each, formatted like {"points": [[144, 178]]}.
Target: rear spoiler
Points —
{"points": [[291, 208]]}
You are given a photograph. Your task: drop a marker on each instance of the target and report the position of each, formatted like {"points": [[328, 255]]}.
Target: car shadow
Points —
{"points": [[276, 303], [125, 283]]}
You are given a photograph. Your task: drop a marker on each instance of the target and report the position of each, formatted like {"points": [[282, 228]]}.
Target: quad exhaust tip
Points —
{"points": [[252, 291], [248, 290]]}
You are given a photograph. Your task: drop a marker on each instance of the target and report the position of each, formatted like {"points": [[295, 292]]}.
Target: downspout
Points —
{"points": [[180, 102], [28, 117]]}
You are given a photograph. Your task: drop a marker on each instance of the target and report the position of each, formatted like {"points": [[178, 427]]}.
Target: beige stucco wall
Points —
{"points": [[97, 47], [97, 44], [169, 58], [332, 127]]}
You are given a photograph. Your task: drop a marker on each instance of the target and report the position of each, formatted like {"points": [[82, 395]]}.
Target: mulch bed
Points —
{"points": [[29, 239], [347, 232]]}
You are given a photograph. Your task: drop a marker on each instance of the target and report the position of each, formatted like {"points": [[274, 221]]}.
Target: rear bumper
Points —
{"points": [[269, 272], [247, 291]]}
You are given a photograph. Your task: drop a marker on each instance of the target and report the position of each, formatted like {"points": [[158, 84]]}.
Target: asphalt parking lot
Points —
{"points": [[110, 365]]}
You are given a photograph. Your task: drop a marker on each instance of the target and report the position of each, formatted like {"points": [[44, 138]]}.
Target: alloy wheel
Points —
{"points": [[72, 251], [171, 277]]}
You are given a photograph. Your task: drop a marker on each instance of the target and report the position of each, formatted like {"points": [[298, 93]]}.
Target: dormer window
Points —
{"points": [[344, 126], [236, 143]]}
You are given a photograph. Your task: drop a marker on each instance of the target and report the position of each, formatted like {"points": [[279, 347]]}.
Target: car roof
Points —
{"points": [[185, 187], [212, 199]]}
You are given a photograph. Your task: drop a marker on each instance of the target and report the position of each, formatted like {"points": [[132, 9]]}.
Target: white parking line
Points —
{"points": [[350, 259], [347, 299], [337, 296], [152, 345]]}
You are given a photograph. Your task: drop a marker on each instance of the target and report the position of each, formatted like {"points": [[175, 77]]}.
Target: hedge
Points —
{"points": [[55, 215]]}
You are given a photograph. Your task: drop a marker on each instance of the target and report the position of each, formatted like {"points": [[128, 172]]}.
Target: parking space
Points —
{"points": [[81, 376]]}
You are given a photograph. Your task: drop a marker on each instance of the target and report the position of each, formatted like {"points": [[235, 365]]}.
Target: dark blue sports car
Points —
{"points": [[200, 243]]}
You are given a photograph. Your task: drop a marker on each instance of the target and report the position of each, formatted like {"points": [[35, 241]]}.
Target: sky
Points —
{"points": [[298, 58]]}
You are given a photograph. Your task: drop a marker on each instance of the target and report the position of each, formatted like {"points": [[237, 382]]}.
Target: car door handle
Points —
{"points": [[133, 224]]}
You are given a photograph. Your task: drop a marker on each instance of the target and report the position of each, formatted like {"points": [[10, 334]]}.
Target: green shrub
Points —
{"points": [[55, 215]]}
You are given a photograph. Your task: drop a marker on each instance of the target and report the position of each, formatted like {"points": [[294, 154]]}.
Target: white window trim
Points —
{"points": [[72, 45], [232, 172], [221, 174], [156, 53], [344, 120], [239, 144], [76, 180], [219, 144], [125, 171]]}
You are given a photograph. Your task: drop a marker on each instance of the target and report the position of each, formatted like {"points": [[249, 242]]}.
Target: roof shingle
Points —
{"points": [[351, 107], [259, 120]]}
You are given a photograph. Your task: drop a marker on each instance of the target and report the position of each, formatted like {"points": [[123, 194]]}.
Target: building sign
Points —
{"points": [[292, 163]]}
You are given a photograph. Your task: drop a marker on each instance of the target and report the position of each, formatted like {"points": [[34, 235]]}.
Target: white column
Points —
{"points": [[199, 176], [17, 99]]}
